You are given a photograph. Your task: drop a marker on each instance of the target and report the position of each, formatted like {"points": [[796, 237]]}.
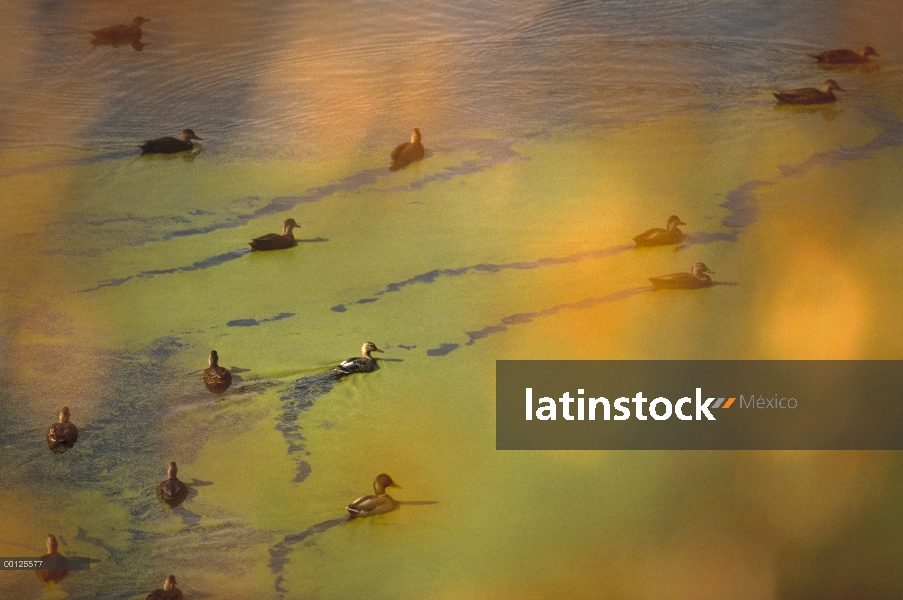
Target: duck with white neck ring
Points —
{"points": [[695, 279]]}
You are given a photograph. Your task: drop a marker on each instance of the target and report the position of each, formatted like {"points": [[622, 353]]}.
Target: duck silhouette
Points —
{"points": [[408, 152], [844, 56], [120, 35], [810, 95], [274, 241]]}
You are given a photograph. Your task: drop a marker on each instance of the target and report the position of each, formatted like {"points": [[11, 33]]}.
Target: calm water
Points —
{"points": [[554, 132]]}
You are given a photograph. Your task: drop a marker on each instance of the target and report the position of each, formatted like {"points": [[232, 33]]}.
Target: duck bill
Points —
{"points": [[395, 485], [377, 350]]}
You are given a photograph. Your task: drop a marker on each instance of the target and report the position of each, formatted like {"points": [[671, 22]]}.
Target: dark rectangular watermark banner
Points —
{"points": [[699, 405]]}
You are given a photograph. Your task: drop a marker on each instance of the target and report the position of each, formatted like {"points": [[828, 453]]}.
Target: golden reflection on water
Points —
{"points": [[814, 280]]}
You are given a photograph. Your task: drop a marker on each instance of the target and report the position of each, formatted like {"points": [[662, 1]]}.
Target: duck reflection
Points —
{"points": [[63, 435], [120, 35]]}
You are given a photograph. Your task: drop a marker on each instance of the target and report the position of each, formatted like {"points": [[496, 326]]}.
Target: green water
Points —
{"points": [[511, 240]]}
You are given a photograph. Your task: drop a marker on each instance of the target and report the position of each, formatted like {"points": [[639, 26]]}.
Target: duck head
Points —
{"points": [[382, 482], [369, 347], [829, 85], [673, 222], [213, 360], [415, 136], [288, 226], [64, 415], [700, 268], [139, 21], [188, 135], [869, 51], [170, 583], [51, 543], [172, 471]]}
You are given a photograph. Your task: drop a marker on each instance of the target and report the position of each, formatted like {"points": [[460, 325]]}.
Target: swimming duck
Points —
{"points": [[382, 502], [53, 575], [408, 152], [170, 145], [63, 435], [697, 278], [169, 591], [120, 35], [217, 378], [358, 364], [838, 57], [172, 491], [662, 237], [810, 95], [274, 241]]}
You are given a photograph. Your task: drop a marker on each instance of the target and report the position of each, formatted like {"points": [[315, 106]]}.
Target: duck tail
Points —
{"points": [[818, 57]]}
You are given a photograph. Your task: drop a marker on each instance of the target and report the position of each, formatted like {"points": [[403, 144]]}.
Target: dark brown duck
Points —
{"points": [[170, 145], [216, 378], [63, 435]]}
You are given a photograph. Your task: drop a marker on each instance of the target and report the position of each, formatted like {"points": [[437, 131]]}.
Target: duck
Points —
{"points": [[381, 502], [408, 152], [843, 56], [216, 378], [170, 145], [120, 35], [172, 491], [810, 95], [63, 435], [53, 575], [662, 237], [169, 591], [274, 241], [695, 279], [358, 364]]}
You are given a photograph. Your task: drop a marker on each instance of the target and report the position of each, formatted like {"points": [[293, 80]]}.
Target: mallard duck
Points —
{"points": [[358, 364], [838, 57], [172, 491], [170, 145], [169, 591], [382, 502], [53, 575], [810, 95], [274, 241], [63, 435], [120, 35], [662, 237], [408, 152], [217, 378], [696, 278]]}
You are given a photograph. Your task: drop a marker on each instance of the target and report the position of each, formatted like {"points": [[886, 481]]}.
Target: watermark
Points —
{"points": [[731, 405]]}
